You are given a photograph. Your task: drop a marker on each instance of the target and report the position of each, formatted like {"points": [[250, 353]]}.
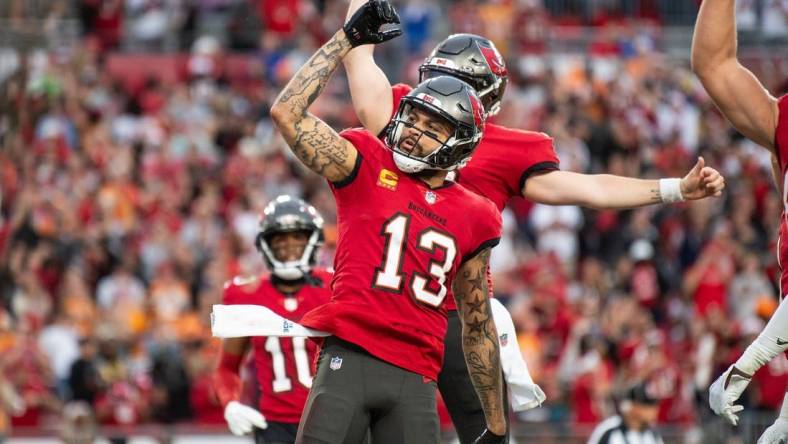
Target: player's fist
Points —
{"points": [[364, 26], [241, 419], [777, 433], [702, 181], [724, 392], [488, 437]]}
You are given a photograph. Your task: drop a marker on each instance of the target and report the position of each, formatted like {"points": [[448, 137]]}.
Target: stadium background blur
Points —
{"points": [[137, 153]]}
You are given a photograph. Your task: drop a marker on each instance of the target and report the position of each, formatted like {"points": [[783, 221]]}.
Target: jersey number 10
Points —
{"points": [[281, 382]]}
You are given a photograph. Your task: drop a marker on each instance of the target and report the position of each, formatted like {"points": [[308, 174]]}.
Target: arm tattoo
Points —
{"points": [[316, 144], [479, 336], [656, 197]]}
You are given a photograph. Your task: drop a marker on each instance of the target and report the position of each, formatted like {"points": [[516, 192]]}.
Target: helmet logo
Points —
{"points": [[477, 110], [287, 219], [439, 61], [430, 99], [494, 60]]}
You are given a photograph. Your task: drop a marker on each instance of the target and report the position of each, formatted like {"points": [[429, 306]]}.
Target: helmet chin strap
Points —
{"points": [[408, 165], [304, 277], [289, 271]]}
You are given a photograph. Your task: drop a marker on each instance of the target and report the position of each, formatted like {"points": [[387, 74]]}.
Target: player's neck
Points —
{"points": [[288, 289], [433, 178]]}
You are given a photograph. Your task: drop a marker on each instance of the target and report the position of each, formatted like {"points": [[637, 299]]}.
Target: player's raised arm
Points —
{"points": [[735, 90], [315, 143], [609, 191], [369, 87], [480, 341]]}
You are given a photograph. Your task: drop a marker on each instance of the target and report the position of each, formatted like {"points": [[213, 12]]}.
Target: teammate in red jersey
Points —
{"points": [[406, 235], [291, 232], [763, 119], [508, 163]]}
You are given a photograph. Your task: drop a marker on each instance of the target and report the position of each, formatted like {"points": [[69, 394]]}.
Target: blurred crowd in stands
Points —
{"points": [[138, 153]]}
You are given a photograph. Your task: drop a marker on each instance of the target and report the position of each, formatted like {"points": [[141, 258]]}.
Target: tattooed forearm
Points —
{"points": [[321, 149], [480, 338], [310, 80], [316, 144]]}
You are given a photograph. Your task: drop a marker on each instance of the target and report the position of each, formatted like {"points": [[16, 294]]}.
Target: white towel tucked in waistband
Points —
{"points": [[239, 321]]}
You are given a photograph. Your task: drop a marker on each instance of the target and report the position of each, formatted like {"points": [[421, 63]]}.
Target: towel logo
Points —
{"points": [[336, 363]]}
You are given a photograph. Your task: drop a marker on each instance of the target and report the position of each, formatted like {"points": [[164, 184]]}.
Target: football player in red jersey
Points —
{"points": [[291, 231], [763, 119], [406, 236], [508, 163]]}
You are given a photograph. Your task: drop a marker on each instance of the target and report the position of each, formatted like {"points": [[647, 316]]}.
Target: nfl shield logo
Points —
{"points": [[430, 197], [504, 339], [336, 363]]}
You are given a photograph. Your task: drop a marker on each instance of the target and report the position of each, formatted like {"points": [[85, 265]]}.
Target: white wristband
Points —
{"points": [[784, 409], [670, 190]]}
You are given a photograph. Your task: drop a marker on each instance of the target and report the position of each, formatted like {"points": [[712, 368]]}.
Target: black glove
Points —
{"points": [[364, 27], [489, 437]]}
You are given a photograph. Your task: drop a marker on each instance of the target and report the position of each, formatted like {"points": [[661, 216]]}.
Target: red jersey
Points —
{"points": [[399, 246], [781, 151], [502, 162], [283, 365]]}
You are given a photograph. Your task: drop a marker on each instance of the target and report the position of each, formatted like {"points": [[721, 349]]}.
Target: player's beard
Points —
{"points": [[427, 175]]}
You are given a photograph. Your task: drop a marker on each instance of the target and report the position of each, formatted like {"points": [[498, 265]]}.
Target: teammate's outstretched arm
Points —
{"points": [[370, 89], [241, 419], [735, 90], [315, 143], [609, 191], [480, 340]]}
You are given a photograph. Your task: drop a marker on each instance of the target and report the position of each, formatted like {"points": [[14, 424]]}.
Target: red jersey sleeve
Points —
{"points": [[540, 156], [398, 91], [504, 160], [781, 132], [487, 228], [369, 148]]}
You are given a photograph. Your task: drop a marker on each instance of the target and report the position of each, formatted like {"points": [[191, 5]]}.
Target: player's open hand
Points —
{"points": [[702, 182], [777, 433], [725, 391], [364, 27]]}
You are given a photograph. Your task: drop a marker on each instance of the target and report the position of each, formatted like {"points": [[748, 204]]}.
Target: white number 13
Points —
{"points": [[389, 275]]}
